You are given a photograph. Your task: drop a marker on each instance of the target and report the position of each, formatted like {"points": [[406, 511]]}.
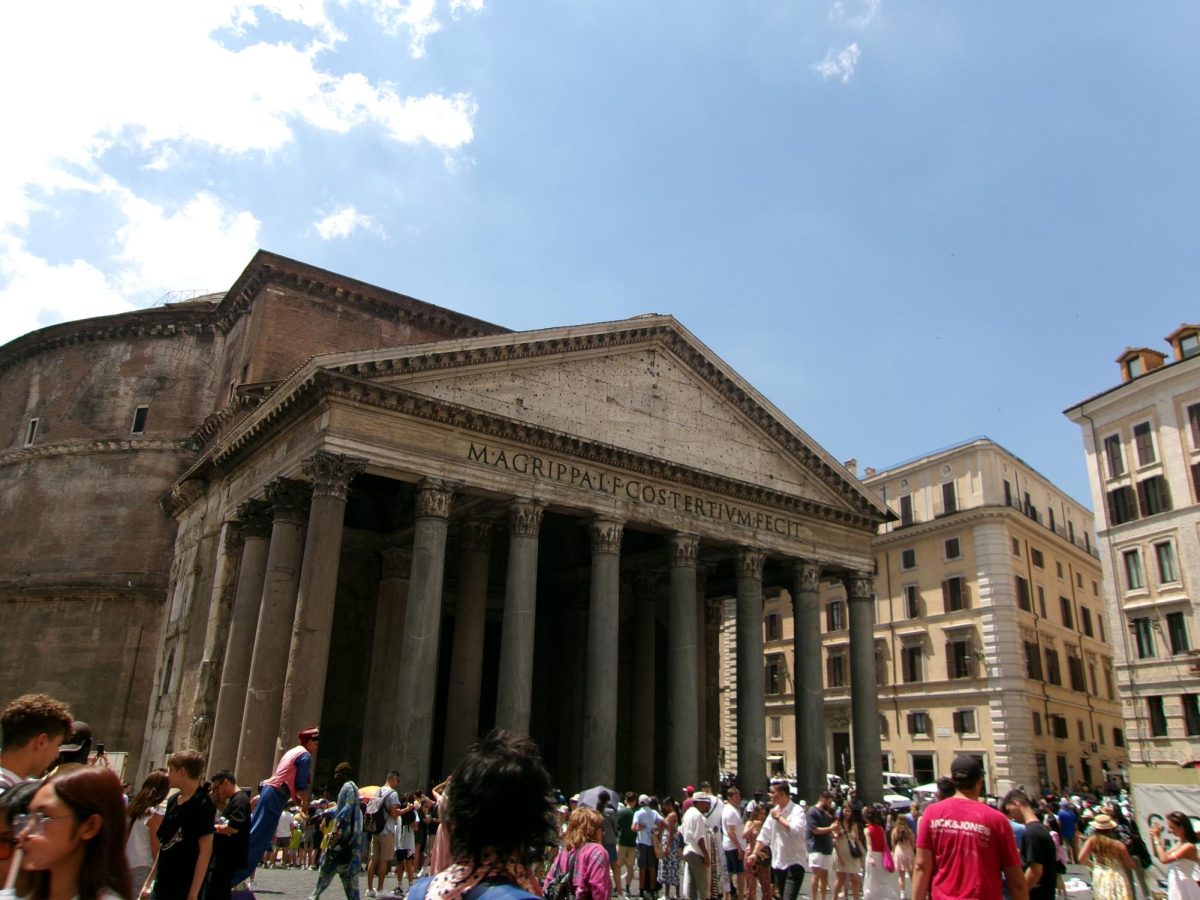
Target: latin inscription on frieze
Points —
{"points": [[636, 490]]}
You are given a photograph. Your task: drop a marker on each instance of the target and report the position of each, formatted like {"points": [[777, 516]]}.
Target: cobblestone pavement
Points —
{"points": [[297, 884]]}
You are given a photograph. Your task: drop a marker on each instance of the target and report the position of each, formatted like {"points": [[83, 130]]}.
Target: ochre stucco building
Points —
{"points": [[312, 500]]}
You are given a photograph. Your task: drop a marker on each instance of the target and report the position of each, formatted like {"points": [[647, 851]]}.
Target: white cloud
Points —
{"points": [[840, 65], [343, 222], [150, 79], [869, 9]]}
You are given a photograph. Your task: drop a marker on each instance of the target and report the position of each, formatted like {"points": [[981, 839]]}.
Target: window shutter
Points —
{"points": [[966, 593], [912, 723], [946, 596], [950, 667], [958, 723]]}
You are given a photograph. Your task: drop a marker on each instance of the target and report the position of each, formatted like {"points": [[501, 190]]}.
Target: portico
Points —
{"points": [[525, 530]]}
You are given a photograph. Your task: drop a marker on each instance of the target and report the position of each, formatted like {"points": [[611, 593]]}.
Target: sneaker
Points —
{"points": [[371, 892]]}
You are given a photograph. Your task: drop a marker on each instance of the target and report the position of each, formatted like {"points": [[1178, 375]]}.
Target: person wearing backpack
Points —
{"points": [[380, 823], [581, 870]]}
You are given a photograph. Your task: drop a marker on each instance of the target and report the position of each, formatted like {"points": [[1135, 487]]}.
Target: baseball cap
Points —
{"points": [[701, 797], [308, 734], [81, 734], [967, 767], [644, 800]]}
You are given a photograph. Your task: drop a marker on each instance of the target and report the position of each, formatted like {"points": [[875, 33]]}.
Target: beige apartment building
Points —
{"points": [[1142, 441], [990, 632]]}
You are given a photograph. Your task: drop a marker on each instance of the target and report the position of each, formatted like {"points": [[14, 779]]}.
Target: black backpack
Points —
{"points": [[375, 820], [562, 885]]}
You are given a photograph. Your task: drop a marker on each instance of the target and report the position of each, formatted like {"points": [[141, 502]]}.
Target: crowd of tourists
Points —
{"points": [[70, 829]]}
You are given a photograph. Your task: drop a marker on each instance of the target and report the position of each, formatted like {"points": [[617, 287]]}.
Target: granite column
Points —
{"points": [[466, 661], [641, 761], [391, 602], [515, 690], [682, 695], [254, 517], [308, 655], [410, 737], [604, 624], [864, 695], [751, 689], [268, 663], [808, 683]]}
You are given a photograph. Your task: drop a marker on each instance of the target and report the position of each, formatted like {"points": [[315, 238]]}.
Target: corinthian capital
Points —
{"points": [[682, 549], [433, 499], [288, 499], [749, 562], [525, 517], [331, 473], [859, 586], [255, 518], [808, 575], [606, 535]]}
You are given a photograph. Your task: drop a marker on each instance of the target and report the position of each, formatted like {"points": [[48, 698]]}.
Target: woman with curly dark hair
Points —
{"points": [[501, 815], [74, 836]]}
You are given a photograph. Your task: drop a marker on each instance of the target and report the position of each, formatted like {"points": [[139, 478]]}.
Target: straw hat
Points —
{"points": [[1103, 823]]}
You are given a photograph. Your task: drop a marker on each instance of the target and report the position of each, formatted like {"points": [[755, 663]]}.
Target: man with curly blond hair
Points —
{"points": [[31, 728]]}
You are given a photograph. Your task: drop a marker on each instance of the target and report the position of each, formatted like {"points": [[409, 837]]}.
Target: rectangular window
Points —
{"points": [[1168, 572], [1196, 480], [1085, 618], [774, 627], [1023, 594], [1079, 729], [31, 432], [1050, 510], [954, 594], [1016, 548], [1143, 636], [908, 559], [1075, 670], [1053, 674], [1193, 416], [835, 616], [1036, 555], [1059, 728], [1112, 453], [835, 670], [959, 661], [1122, 505], [918, 723], [1042, 601], [1100, 627], [952, 549], [1037, 724], [949, 499], [912, 601], [1008, 495], [774, 675], [1064, 605], [1070, 531], [1108, 682], [1143, 440], [139, 419], [1092, 679], [1079, 580], [776, 727], [1154, 495], [1133, 570], [906, 510], [910, 664], [1158, 716], [1033, 660], [1058, 570], [1191, 714], [1177, 633], [964, 721], [1118, 737]]}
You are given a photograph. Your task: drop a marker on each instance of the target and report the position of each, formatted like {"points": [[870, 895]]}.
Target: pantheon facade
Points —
{"points": [[342, 506]]}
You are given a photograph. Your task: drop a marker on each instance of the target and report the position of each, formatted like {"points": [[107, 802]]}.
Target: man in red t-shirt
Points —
{"points": [[963, 845]]}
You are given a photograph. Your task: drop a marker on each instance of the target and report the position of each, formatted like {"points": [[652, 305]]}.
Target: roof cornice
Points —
{"points": [[321, 385]]}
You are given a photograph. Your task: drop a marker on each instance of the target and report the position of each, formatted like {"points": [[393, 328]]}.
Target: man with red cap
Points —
{"points": [[292, 780]]}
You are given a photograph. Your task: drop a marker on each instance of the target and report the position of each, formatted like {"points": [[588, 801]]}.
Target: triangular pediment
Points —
{"points": [[643, 385]]}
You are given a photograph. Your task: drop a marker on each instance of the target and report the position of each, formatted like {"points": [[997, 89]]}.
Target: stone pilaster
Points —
{"points": [[864, 696], [600, 704], [308, 656], [411, 734], [466, 661], [682, 675], [268, 665], [515, 690], [751, 689]]}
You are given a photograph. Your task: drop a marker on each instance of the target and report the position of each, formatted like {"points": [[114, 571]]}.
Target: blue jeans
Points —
{"points": [[263, 823]]}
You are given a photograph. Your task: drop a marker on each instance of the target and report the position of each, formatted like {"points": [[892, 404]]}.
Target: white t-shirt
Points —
{"points": [[138, 850], [646, 818], [731, 817], [284, 828], [390, 799]]}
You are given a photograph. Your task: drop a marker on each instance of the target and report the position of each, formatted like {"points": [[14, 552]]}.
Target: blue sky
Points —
{"points": [[905, 223]]}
